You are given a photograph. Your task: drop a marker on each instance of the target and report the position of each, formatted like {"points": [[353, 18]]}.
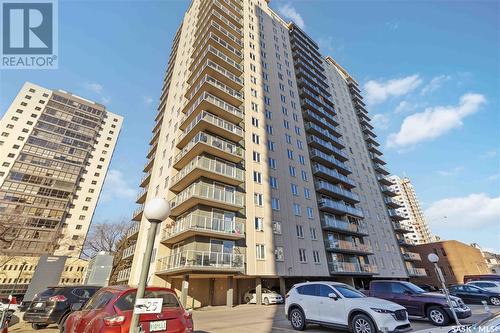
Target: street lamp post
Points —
{"points": [[155, 212], [433, 258]]}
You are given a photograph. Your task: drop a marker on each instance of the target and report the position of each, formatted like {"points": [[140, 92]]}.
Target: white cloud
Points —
{"points": [[381, 121], [94, 87], [379, 91], [434, 84], [106, 100], [473, 211], [435, 121], [148, 100], [493, 177], [450, 172], [116, 187], [289, 12], [489, 154], [392, 25]]}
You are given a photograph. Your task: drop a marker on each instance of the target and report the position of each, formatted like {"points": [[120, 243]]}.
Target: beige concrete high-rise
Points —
{"points": [[248, 150], [411, 210], [55, 149]]}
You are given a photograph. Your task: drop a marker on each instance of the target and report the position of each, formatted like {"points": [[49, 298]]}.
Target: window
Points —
{"points": [[310, 213], [259, 224], [290, 154], [275, 203], [257, 177], [270, 145], [258, 199], [292, 171], [256, 156], [316, 257], [304, 176], [307, 193], [277, 227], [300, 231], [279, 254], [272, 163], [313, 233], [273, 181], [255, 138], [302, 255], [260, 251], [297, 210], [302, 160], [295, 189]]}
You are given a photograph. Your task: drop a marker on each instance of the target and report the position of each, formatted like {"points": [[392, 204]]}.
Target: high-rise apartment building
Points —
{"points": [[411, 210], [269, 182], [55, 149]]}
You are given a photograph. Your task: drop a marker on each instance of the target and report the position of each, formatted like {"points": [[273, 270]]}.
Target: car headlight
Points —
{"points": [[382, 310], [454, 304]]}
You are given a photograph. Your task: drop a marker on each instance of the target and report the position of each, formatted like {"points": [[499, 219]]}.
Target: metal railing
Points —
{"points": [[204, 223], [123, 275], [210, 192], [413, 271], [350, 267], [347, 245], [217, 102], [133, 230], [328, 203], [330, 221], [412, 256], [219, 122], [210, 140], [321, 184], [129, 251], [201, 259]]}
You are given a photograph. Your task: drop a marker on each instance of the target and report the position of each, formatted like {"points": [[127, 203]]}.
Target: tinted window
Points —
{"points": [[324, 290], [349, 292], [381, 287], [50, 292], [485, 284], [473, 289], [309, 289], [127, 301], [99, 300]]}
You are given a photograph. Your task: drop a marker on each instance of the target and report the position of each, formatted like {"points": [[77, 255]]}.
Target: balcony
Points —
{"points": [[325, 134], [391, 203], [338, 207], [230, 15], [329, 222], [137, 216], [332, 175], [206, 143], [350, 268], [123, 275], [393, 214], [335, 191], [133, 232], [216, 88], [201, 261], [206, 121], [405, 242], [322, 121], [213, 54], [141, 197], [194, 224], [145, 179], [380, 169], [203, 166], [367, 130], [316, 142], [347, 246], [384, 180], [371, 147], [400, 227], [376, 158], [128, 252], [411, 256], [212, 40], [148, 165], [214, 105], [212, 27], [320, 157], [387, 190], [213, 195], [152, 149], [217, 17], [211, 68], [371, 139], [416, 272]]}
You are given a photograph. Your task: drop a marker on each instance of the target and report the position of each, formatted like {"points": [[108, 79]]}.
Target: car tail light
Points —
{"points": [[114, 320], [188, 315], [58, 298]]}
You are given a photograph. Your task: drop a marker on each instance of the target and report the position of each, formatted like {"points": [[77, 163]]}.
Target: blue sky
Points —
{"points": [[429, 71]]}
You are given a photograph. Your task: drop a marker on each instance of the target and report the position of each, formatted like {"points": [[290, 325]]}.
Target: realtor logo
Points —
{"points": [[29, 34]]}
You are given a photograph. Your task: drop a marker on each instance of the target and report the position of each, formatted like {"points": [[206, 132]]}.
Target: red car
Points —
{"points": [[110, 311]]}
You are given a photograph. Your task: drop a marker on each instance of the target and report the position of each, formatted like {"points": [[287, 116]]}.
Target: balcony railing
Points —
{"points": [[123, 275], [314, 140], [236, 80], [332, 173], [133, 230], [210, 192], [347, 246], [338, 207], [413, 271], [405, 242], [395, 215], [331, 222], [399, 227], [315, 153], [219, 54], [217, 102], [334, 190], [128, 252], [412, 256], [324, 132], [214, 120], [219, 85], [208, 224], [204, 260], [350, 267]]}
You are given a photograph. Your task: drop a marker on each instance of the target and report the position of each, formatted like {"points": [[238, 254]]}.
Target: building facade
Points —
{"points": [[55, 150], [456, 260], [260, 166], [411, 210]]}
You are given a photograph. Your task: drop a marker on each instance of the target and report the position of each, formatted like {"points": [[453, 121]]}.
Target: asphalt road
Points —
{"points": [[256, 319]]}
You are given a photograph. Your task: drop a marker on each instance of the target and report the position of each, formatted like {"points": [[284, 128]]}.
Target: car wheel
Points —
{"points": [[36, 326], [297, 319], [247, 299], [362, 324], [438, 316], [266, 301], [494, 300]]}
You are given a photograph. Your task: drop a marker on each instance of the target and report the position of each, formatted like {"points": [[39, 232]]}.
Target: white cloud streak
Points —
{"points": [[289, 12], [434, 84], [379, 91], [116, 187]]}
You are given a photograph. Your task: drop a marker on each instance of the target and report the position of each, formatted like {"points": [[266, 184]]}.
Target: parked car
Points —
{"points": [[53, 305], [268, 297], [487, 277], [418, 302], [429, 288], [110, 311], [473, 294], [488, 285], [13, 307], [340, 306]]}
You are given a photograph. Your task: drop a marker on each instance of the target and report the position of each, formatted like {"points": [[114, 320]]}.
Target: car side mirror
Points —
{"points": [[76, 306], [333, 296]]}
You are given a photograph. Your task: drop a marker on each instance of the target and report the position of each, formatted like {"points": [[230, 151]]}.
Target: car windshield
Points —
{"points": [[127, 301], [49, 292], [414, 288], [267, 291], [349, 292]]}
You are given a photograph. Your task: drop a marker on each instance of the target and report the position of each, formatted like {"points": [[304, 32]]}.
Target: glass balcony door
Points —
{"points": [[221, 252], [223, 221]]}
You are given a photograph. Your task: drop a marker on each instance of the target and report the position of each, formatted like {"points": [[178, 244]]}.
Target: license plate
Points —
{"points": [[38, 305], [160, 325]]}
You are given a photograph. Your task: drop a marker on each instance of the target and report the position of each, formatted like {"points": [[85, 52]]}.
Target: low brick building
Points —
{"points": [[456, 259]]}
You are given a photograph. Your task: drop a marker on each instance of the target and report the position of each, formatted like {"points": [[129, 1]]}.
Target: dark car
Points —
{"points": [[488, 277], [418, 302], [53, 305], [473, 294], [428, 288]]}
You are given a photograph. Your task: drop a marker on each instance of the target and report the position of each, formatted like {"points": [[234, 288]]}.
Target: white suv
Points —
{"points": [[338, 305]]}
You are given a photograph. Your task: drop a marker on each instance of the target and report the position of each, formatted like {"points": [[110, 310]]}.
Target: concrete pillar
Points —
{"points": [[282, 286], [230, 292], [258, 290], [239, 291], [184, 290], [211, 291]]}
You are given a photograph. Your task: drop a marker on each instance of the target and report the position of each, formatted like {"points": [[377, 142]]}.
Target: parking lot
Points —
{"points": [[257, 319]]}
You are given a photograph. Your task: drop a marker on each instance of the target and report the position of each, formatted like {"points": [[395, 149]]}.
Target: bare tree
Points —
{"points": [[105, 236]]}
